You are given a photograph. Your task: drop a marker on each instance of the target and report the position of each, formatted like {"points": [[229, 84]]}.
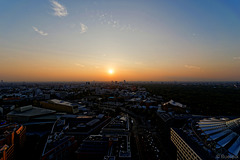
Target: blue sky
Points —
{"points": [[139, 39]]}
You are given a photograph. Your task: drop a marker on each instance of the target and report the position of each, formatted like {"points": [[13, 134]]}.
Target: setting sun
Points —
{"points": [[110, 71]]}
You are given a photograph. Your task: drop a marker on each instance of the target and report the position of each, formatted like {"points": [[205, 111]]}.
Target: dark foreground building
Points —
{"points": [[102, 147], [12, 139], [208, 138], [58, 144]]}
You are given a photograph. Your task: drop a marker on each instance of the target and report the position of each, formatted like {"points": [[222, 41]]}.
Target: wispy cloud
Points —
{"points": [[39, 31], [109, 19], [80, 65], [236, 58], [192, 67], [59, 9], [83, 28]]}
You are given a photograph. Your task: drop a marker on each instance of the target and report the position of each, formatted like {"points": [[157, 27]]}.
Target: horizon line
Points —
{"points": [[151, 81]]}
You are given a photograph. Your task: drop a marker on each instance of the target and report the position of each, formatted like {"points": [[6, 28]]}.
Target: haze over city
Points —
{"points": [[135, 40], [119, 79]]}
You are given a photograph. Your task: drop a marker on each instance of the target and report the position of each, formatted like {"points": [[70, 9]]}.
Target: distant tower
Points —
{"points": [[124, 81]]}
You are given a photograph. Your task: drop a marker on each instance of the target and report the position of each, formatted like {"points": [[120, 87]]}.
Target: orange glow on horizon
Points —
{"points": [[68, 71]]}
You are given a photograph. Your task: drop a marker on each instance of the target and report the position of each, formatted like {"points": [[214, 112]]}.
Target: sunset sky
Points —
{"points": [[138, 40]]}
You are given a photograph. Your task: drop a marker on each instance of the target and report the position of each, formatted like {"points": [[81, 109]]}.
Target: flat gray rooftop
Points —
{"points": [[35, 111]]}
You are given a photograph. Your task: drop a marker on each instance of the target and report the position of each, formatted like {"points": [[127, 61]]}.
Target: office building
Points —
{"points": [[102, 147], [12, 140], [60, 106], [208, 138], [58, 144], [118, 126]]}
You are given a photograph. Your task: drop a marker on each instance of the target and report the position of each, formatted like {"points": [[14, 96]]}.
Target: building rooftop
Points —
{"points": [[57, 142], [222, 133], [118, 123], [107, 147], [31, 112], [109, 158], [61, 102], [177, 104]]}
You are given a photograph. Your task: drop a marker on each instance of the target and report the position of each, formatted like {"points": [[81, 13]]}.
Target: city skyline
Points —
{"points": [[136, 40]]}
